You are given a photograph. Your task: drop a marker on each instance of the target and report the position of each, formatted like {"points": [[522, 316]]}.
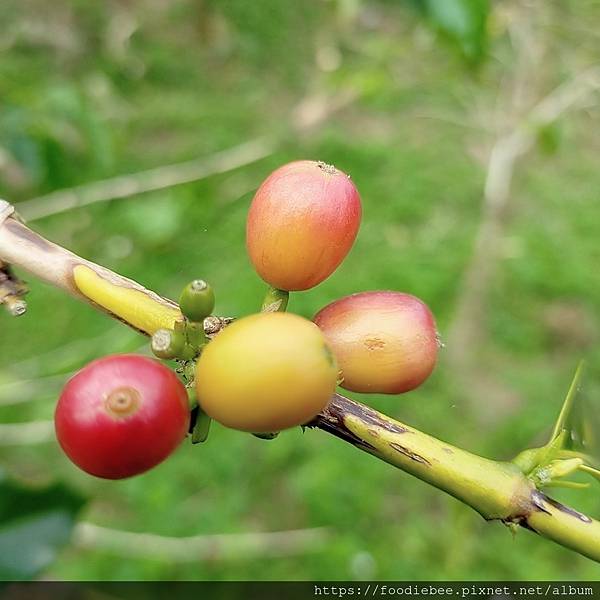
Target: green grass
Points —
{"points": [[192, 82]]}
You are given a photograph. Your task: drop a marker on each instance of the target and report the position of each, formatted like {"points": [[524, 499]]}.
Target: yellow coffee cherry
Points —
{"points": [[266, 372]]}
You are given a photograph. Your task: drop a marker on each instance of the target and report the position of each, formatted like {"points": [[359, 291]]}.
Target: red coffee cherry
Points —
{"points": [[302, 222], [384, 342], [121, 415]]}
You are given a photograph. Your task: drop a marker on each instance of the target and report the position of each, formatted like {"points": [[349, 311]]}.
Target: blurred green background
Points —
{"points": [[410, 98]]}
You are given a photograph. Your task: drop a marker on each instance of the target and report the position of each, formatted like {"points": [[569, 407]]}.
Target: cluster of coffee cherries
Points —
{"points": [[263, 373]]}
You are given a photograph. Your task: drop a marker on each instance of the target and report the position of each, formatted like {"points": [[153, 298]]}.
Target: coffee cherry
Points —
{"points": [[265, 373], [121, 415], [384, 342], [302, 223]]}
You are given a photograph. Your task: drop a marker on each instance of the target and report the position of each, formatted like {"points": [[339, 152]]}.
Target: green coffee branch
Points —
{"points": [[506, 491]]}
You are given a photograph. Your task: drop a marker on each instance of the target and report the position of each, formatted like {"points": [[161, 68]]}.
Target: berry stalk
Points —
{"points": [[276, 300]]}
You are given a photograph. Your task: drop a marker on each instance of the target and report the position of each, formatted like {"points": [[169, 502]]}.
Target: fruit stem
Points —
{"points": [[276, 300]]}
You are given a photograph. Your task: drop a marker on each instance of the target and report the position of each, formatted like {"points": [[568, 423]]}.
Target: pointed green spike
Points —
{"points": [[575, 454], [573, 485], [551, 450], [562, 468], [590, 471], [567, 406]]}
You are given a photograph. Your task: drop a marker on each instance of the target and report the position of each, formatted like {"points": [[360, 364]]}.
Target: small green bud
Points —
{"points": [[167, 344], [562, 468], [197, 300]]}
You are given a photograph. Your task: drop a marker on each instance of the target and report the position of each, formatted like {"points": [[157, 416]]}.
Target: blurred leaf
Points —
{"points": [[34, 525], [59, 138], [162, 217], [463, 21]]}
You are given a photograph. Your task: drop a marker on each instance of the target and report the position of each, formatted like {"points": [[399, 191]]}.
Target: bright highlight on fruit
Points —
{"points": [[265, 373], [384, 342], [302, 223], [121, 415]]}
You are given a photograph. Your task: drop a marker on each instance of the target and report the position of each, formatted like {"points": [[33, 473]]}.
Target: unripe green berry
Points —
{"points": [[197, 300]]}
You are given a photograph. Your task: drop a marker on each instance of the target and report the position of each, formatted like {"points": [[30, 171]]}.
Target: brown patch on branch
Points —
{"points": [[537, 502], [345, 406], [539, 498], [409, 454], [333, 420]]}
